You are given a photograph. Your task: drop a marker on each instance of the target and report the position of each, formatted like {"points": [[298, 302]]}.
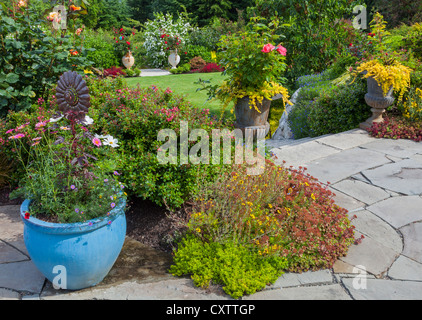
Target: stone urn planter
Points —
{"points": [[174, 59], [248, 118], [128, 60], [378, 102], [74, 256]]}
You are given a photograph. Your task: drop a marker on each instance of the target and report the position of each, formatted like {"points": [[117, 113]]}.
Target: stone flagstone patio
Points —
{"points": [[378, 180]]}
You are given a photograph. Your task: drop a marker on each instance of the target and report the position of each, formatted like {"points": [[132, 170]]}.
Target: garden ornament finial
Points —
{"points": [[72, 95]]}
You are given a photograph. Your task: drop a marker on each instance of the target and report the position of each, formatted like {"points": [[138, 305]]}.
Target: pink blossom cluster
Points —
{"points": [[269, 47]]}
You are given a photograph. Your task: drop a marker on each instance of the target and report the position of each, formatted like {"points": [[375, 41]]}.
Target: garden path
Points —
{"points": [[378, 180]]}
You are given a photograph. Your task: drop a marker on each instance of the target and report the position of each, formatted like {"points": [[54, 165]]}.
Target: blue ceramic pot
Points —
{"points": [[75, 255]]}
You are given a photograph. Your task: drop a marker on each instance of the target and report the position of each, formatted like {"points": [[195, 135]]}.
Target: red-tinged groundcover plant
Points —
{"points": [[396, 128], [282, 214]]}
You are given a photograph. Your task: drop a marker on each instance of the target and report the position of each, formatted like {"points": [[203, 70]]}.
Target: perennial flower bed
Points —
{"points": [[284, 219]]}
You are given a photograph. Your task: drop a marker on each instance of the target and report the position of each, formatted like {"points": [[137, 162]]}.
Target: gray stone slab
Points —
{"points": [[298, 279], [412, 236], [361, 191], [301, 154], [374, 257], [323, 292], [10, 254], [346, 202], [380, 289], [374, 227], [401, 148], [347, 140], [405, 269], [6, 294], [21, 276], [11, 226], [178, 289], [340, 166], [403, 177], [398, 211]]}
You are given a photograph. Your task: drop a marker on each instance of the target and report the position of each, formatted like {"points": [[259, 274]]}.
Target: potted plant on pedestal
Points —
{"points": [[254, 66], [384, 73], [172, 44], [123, 46], [74, 220]]}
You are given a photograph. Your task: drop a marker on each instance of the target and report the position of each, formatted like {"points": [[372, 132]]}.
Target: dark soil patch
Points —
{"points": [[153, 225], [4, 197]]}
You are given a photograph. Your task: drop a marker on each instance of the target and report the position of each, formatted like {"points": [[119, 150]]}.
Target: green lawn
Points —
{"points": [[184, 84]]}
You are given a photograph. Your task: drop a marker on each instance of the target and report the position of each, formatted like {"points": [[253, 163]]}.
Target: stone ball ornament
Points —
{"points": [[72, 95]]}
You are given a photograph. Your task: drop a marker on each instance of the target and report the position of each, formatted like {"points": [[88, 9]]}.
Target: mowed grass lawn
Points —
{"points": [[184, 84]]}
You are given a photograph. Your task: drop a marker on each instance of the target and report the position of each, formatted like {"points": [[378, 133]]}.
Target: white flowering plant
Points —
{"points": [[64, 174], [158, 31]]}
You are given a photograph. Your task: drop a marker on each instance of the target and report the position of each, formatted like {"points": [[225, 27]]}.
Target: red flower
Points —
{"points": [[27, 215], [282, 50], [162, 36], [165, 42], [268, 48], [128, 43], [186, 53], [121, 29], [350, 44]]}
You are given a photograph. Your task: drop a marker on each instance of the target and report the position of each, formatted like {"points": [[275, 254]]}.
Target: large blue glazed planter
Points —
{"points": [[85, 251]]}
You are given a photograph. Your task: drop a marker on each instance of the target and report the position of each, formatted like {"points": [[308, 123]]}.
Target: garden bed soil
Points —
{"points": [[148, 223]]}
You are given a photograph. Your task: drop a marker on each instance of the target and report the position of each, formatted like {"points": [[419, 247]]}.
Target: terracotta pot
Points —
{"points": [[376, 99], [248, 118], [128, 60]]}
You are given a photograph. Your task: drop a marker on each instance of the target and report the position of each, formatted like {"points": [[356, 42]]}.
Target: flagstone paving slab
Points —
{"points": [[299, 155], [11, 226], [21, 276], [291, 279], [398, 148], [324, 292], [405, 269], [340, 166], [361, 191], [398, 211], [381, 289], [404, 176], [347, 140], [374, 256], [10, 254], [372, 226], [346, 202], [412, 235]]}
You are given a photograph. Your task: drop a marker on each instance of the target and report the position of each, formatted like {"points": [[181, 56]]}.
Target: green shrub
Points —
{"points": [[32, 57], [239, 270], [181, 69], [340, 109], [298, 119], [195, 51], [328, 109], [130, 72], [134, 117], [103, 56]]}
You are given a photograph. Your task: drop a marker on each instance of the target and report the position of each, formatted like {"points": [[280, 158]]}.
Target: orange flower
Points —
{"points": [[73, 52], [74, 8]]}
